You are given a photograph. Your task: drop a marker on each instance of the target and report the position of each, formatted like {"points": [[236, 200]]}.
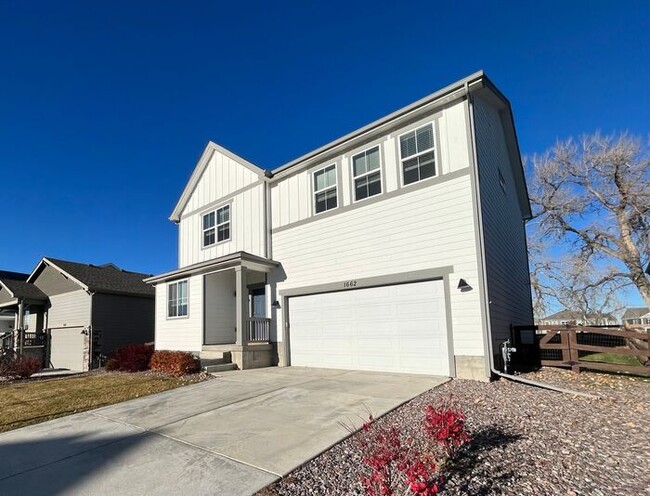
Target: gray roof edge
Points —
{"points": [[422, 102], [239, 256]]}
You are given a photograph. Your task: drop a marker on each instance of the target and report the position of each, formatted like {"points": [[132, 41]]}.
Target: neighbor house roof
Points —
{"points": [[15, 276], [575, 315], [635, 312], [21, 289], [107, 278]]}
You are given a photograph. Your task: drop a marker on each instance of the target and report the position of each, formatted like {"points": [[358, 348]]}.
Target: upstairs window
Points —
{"points": [[417, 154], [216, 226], [325, 191], [177, 299], [366, 170]]}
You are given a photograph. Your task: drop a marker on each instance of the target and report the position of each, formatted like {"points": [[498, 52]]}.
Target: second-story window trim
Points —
{"points": [[366, 173], [417, 154], [216, 226], [325, 189]]}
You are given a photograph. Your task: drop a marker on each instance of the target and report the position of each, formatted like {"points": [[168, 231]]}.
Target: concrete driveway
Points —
{"points": [[231, 435]]}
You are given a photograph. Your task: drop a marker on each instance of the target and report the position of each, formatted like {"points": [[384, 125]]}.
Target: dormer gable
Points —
{"points": [[218, 173]]}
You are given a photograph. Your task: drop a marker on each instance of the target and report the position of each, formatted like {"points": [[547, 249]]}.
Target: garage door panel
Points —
{"points": [[67, 349], [399, 328]]}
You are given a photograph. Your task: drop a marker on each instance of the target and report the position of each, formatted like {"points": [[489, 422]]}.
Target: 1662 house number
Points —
{"points": [[349, 284]]}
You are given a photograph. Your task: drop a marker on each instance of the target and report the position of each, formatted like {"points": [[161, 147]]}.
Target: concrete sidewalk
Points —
{"points": [[231, 435]]}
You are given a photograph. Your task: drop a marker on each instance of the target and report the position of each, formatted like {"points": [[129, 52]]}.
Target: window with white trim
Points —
{"points": [[325, 190], [216, 226], [177, 299], [366, 171], [417, 154]]}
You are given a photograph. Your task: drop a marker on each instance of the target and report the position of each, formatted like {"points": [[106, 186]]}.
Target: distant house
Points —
{"points": [[86, 310], [637, 316], [577, 318]]}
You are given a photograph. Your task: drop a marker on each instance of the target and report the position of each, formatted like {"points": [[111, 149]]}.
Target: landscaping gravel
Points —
{"points": [[526, 440]]}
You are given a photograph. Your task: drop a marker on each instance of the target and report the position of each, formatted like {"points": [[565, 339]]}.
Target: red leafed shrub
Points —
{"points": [[22, 367], [396, 464], [131, 358], [174, 362], [446, 426]]}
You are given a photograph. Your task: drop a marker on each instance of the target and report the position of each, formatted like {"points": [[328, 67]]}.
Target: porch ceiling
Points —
{"points": [[241, 258]]}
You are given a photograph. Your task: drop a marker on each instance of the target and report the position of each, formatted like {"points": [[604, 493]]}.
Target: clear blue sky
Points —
{"points": [[106, 106]]}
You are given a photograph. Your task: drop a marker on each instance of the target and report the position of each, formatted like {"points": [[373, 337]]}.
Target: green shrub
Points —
{"points": [[175, 363]]}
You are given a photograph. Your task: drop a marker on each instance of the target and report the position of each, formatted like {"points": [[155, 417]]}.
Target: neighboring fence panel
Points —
{"points": [[611, 349]]}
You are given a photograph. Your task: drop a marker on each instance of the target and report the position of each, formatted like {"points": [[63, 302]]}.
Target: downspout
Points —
{"points": [[267, 216], [482, 269], [90, 333]]}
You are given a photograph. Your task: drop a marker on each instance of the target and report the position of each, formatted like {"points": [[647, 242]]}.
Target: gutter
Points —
{"points": [[491, 369]]}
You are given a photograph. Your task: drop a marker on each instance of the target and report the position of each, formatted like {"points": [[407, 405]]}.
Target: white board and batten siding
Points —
{"points": [[414, 228], [222, 177], [180, 333], [504, 232]]}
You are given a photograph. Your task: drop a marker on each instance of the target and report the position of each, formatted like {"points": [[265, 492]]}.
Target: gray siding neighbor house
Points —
{"points": [[84, 310]]}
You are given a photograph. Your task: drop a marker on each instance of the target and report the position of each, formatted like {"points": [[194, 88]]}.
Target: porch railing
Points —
{"points": [[6, 341], [259, 329], [34, 339]]}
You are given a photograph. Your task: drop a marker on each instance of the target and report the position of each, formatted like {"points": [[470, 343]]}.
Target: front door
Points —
{"points": [[258, 303]]}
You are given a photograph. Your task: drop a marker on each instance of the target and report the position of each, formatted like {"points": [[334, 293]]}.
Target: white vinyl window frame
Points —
{"points": [[433, 149], [316, 192], [177, 301], [366, 174], [215, 227]]}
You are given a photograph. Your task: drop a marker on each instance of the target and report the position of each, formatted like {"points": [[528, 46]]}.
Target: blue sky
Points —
{"points": [[106, 106]]}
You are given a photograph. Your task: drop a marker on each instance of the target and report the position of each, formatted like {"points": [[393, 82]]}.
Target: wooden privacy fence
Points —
{"points": [[598, 348]]}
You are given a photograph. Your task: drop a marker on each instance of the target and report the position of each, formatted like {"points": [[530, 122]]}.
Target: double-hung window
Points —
{"points": [[216, 226], [366, 169], [177, 299], [325, 191], [417, 154]]}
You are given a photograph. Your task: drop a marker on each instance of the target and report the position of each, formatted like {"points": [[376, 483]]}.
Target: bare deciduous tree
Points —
{"points": [[592, 197]]}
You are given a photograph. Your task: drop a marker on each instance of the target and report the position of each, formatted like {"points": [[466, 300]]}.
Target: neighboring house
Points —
{"points": [[639, 316], [576, 317], [399, 247], [87, 310]]}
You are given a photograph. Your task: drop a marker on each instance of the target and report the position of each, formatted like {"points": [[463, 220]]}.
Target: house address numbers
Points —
{"points": [[350, 284]]}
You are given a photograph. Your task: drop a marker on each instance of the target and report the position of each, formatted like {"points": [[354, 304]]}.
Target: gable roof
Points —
{"points": [[15, 283], [635, 312], [107, 278], [200, 167], [14, 276]]}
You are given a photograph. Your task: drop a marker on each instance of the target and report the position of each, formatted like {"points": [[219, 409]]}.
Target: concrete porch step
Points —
{"points": [[215, 355], [223, 367]]}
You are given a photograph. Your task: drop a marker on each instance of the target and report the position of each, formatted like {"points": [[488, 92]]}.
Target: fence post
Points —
{"points": [[573, 351], [564, 340]]}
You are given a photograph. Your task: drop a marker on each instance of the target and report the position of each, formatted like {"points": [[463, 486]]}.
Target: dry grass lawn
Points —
{"points": [[30, 402]]}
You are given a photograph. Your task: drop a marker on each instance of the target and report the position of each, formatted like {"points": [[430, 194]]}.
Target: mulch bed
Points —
{"points": [[526, 440]]}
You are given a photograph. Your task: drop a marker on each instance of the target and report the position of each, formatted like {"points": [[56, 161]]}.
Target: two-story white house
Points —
{"points": [[399, 247]]}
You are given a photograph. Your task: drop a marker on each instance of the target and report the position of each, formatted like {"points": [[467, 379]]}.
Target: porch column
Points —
{"points": [[21, 326], [241, 286]]}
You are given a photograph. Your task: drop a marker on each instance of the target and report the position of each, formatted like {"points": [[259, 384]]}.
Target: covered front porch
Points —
{"points": [[233, 313]]}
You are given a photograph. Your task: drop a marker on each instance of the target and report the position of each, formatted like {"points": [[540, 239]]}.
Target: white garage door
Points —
{"points": [[67, 349], [398, 328]]}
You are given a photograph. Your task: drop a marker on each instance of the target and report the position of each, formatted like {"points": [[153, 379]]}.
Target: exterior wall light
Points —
{"points": [[463, 286], [275, 304]]}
